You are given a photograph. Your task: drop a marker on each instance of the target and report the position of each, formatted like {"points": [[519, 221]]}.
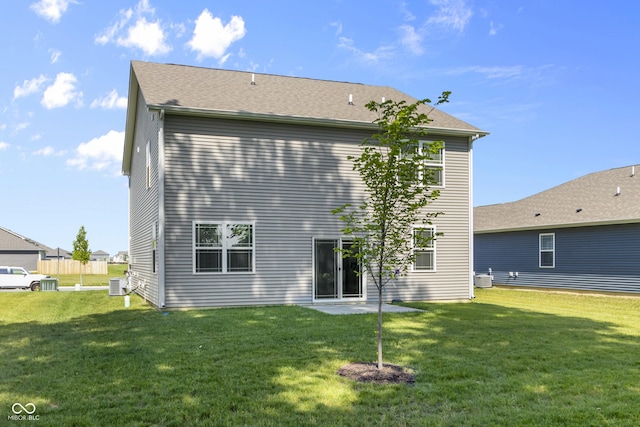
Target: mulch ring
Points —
{"points": [[369, 373]]}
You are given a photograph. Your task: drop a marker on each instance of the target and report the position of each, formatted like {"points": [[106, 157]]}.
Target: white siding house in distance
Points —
{"points": [[232, 179]]}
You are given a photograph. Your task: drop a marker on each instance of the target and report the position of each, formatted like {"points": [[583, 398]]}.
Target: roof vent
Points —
{"points": [[253, 79], [617, 191], [383, 99], [578, 210], [633, 171], [537, 214], [350, 99]]}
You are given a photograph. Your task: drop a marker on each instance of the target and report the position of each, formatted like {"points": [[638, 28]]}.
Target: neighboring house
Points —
{"points": [[584, 234], [232, 179], [57, 253], [121, 257], [19, 251], [99, 255]]}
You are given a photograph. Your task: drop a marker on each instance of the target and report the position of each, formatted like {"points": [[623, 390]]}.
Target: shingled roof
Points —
{"points": [[10, 241], [607, 197], [181, 89]]}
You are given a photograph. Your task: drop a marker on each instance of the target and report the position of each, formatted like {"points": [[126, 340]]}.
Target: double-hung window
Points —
{"points": [[424, 249], [547, 250], [223, 247], [433, 163]]}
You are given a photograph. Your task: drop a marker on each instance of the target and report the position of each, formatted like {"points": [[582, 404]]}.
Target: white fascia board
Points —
{"points": [[311, 121], [554, 226]]}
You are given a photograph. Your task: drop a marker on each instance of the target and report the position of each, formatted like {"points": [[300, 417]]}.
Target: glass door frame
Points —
{"points": [[338, 260]]}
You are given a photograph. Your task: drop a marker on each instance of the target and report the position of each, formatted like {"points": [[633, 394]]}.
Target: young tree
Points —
{"points": [[81, 251], [397, 190]]}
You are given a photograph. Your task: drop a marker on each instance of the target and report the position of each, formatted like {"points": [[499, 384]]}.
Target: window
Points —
{"points": [[154, 243], [424, 249], [223, 247], [435, 162], [547, 250], [148, 164]]}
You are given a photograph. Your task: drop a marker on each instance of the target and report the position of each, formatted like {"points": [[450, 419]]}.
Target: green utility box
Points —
{"points": [[49, 284]]}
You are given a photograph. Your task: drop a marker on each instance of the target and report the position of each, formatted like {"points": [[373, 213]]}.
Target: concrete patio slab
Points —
{"points": [[360, 308]]}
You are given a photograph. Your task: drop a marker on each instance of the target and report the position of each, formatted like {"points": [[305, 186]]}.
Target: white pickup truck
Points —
{"points": [[19, 278]]}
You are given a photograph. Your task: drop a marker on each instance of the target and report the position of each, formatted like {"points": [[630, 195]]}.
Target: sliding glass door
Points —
{"points": [[335, 277]]}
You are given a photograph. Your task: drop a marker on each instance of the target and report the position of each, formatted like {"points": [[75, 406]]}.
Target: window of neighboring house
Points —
{"points": [[148, 164], [435, 163], [424, 249], [223, 247], [547, 250]]}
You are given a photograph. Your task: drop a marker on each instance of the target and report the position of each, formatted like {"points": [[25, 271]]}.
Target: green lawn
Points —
{"points": [[114, 270], [510, 358]]}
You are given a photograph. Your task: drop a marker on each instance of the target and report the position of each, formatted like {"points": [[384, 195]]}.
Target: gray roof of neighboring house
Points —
{"points": [[55, 252], [99, 252], [588, 200], [181, 89], [10, 241]]}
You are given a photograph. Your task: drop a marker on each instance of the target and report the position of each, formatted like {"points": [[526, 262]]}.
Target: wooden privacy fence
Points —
{"points": [[70, 266]]}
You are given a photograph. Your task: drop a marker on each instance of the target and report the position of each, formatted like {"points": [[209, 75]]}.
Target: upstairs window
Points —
{"points": [[434, 164], [148, 164]]}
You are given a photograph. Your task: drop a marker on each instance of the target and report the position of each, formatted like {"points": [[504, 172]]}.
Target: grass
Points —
{"points": [[114, 270], [510, 358]]}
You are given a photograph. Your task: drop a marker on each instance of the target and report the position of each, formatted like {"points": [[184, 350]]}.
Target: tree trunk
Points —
{"points": [[380, 326]]}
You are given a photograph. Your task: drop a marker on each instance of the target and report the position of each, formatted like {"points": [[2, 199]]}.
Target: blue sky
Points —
{"points": [[555, 82]]}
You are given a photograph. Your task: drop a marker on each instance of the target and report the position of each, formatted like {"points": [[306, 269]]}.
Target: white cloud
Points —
{"points": [[110, 101], [146, 36], [21, 126], [29, 86], [62, 92], [3, 145], [411, 39], [103, 153], [211, 38], [51, 10], [496, 72], [55, 55], [338, 26], [453, 14], [48, 151], [493, 28], [381, 53], [133, 30]]}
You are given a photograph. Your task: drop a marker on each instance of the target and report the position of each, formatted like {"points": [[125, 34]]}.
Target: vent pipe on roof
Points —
{"points": [[618, 191], [253, 79], [383, 99], [633, 171], [350, 99]]}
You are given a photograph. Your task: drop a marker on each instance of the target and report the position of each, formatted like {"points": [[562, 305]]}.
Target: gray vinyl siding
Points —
{"points": [[597, 258], [143, 203], [451, 279], [27, 260], [286, 179]]}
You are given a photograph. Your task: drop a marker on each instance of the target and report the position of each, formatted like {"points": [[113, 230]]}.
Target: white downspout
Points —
{"points": [[471, 255], [161, 218]]}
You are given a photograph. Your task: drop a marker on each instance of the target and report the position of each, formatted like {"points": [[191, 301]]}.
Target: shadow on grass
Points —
{"points": [[477, 365]]}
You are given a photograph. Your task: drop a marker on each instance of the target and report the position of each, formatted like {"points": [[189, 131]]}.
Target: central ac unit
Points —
{"points": [[117, 287]]}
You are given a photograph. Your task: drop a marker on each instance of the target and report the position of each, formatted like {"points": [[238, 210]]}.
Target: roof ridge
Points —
{"points": [[258, 73]]}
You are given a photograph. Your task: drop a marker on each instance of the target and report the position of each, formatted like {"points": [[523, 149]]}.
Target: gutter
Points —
{"points": [[300, 120], [549, 226]]}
